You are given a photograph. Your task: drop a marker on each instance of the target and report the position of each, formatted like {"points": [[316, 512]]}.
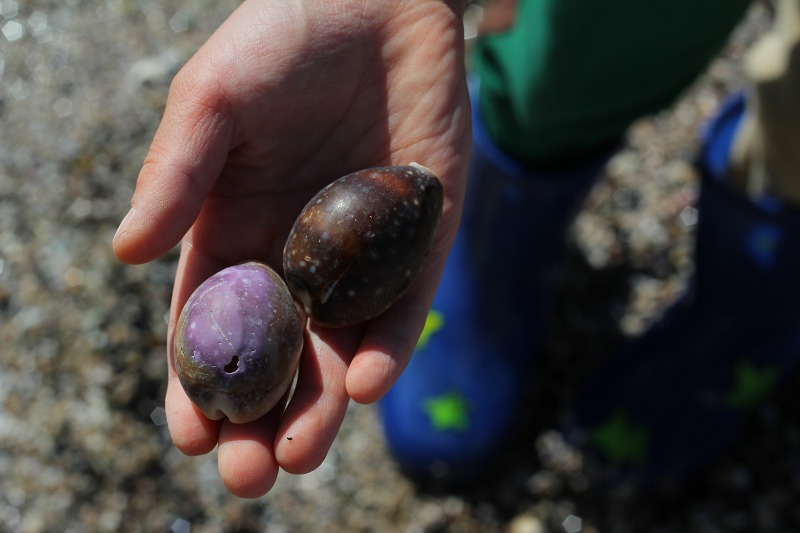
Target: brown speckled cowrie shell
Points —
{"points": [[360, 242]]}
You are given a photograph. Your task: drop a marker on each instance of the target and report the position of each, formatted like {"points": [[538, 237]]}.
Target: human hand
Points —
{"points": [[284, 98]]}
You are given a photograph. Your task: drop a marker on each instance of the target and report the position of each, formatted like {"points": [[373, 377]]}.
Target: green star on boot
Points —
{"points": [[751, 385], [434, 322], [621, 440], [448, 412]]}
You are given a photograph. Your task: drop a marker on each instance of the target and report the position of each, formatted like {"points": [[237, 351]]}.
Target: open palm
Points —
{"points": [[284, 98]]}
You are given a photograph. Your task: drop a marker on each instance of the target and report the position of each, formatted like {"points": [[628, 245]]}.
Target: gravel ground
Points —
{"points": [[83, 440]]}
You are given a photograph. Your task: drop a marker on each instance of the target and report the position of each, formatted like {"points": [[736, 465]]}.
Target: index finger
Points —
{"points": [[185, 158]]}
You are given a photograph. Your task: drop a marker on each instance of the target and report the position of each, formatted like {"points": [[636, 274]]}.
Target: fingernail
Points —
{"points": [[123, 226]]}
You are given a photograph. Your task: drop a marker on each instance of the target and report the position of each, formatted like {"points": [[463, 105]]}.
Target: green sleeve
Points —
{"points": [[571, 75]]}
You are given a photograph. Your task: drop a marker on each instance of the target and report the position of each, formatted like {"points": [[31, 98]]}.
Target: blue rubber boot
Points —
{"points": [[675, 398], [470, 373]]}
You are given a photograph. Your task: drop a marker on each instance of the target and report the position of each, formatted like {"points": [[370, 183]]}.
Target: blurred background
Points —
{"points": [[83, 439]]}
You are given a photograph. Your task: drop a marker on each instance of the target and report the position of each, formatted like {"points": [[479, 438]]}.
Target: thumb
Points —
{"points": [[185, 158]]}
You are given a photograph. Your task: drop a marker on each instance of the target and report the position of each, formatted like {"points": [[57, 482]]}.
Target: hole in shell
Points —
{"points": [[233, 366]]}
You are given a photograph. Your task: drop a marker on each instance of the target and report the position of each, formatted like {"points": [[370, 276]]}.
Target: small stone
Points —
{"points": [[526, 523]]}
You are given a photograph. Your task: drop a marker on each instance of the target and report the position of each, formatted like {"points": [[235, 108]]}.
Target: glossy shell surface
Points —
{"points": [[238, 342], [361, 241]]}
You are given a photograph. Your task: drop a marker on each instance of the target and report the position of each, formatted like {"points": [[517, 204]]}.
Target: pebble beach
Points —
{"points": [[83, 439]]}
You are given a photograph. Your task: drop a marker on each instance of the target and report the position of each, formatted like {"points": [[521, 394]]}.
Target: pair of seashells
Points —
{"points": [[354, 250]]}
